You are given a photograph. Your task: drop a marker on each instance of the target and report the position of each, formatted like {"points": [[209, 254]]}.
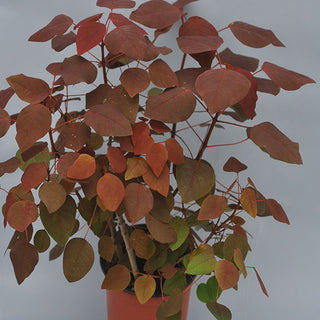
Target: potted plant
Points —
{"points": [[117, 155]]}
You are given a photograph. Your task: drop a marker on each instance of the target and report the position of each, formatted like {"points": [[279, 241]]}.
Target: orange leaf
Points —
{"points": [[65, 162], [117, 160], [135, 80], [144, 288], [140, 138], [34, 174], [249, 202], [175, 151], [212, 207], [136, 167], [5, 122], [277, 211], [226, 273], [239, 261], [161, 183], [138, 201], [159, 126], [162, 75], [83, 168], [117, 278], [21, 214], [111, 191], [157, 156], [89, 35], [263, 288], [5, 96]]}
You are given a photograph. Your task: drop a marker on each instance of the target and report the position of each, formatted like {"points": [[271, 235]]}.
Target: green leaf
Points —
{"points": [[195, 178], [202, 260], [78, 258], [209, 291], [182, 230], [177, 281], [41, 240], [174, 303], [59, 224], [220, 311], [117, 278], [234, 241]]}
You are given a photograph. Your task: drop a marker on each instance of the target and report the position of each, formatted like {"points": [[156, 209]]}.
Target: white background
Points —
{"points": [[287, 257]]}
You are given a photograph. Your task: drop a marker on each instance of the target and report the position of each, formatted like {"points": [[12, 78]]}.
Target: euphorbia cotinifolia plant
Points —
{"points": [[113, 156]]}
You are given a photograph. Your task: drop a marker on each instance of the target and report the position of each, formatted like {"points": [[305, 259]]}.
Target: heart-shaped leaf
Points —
{"points": [[117, 278], [222, 88], [31, 90], [249, 202], [24, 258], [57, 26], [34, 174], [157, 156], [65, 216], [111, 191], [271, 140], [144, 288], [21, 214], [212, 207], [138, 201], [175, 151], [220, 311], [202, 260], [89, 35], [157, 14], [195, 178], [107, 120], [116, 159], [136, 167], [253, 36], [284, 78], [226, 273], [78, 258], [33, 122], [171, 106], [161, 183], [135, 80], [162, 75], [162, 232], [83, 168]]}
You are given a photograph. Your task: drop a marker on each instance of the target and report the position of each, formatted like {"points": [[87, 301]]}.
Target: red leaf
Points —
{"points": [[77, 69], [24, 257], [263, 288], [107, 120], [157, 14], [9, 166], [5, 122], [33, 151], [55, 68], [140, 138], [89, 35], [172, 106], [212, 207], [237, 60], [182, 3], [33, 122], [157, 156], [187, 77], [284, 78], [277, 211], [126, 39], [31, 90], [199, 44], [227, 274], [5, 96], [197, 26], [93, 18], [57, 26], [34, 174], [21, 214], [120, 20], [222, 88], [275, 143], [152, 52], [159, 126], [117, 160], [162, 75], [59, 43], [175, 151], [111, 191], [116, 4], [138, 201], [253, 36], [65, 162], [234, 165], [135, 80], [161, 183], [267, 86], [82, 168]]}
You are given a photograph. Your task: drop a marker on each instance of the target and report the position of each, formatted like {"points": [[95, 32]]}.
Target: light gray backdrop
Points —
{"points": [[287, 257]]}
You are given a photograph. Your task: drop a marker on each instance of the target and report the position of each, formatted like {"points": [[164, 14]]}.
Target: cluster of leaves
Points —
{"points": [[122, 159]]}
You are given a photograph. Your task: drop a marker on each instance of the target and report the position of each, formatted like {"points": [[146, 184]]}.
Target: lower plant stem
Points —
{"points": [[129, 249]]}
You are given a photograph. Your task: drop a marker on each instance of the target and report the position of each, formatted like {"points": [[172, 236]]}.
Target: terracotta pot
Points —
{"points": [[125, 306]]}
